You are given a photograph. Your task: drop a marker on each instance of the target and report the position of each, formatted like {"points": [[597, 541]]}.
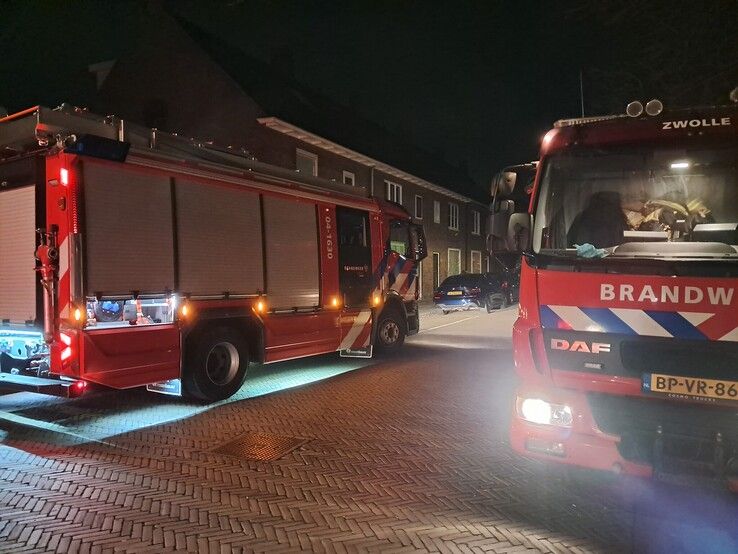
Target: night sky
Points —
{"points": [[478, 83]]}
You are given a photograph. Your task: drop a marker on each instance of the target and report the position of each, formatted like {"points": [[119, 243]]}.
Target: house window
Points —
{"points": [[418, 207], [436, 211], [306, 162], [436, 270], [476, 224], [454, 261], [349, 179], [476, 261], [394, 192], [453, 216]]}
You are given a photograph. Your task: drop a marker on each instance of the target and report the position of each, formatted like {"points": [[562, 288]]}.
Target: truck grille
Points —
{"points": [[707, 359], [689, 432]]}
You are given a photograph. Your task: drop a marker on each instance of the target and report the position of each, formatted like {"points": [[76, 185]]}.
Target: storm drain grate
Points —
{"points": [[260, 446]]}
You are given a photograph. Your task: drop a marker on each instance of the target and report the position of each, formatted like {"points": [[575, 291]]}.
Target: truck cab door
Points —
{"points": [[355, 281]]}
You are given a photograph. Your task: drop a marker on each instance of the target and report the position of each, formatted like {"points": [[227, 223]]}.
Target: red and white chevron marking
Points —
{"points": [[359, 334], [64, 284]]}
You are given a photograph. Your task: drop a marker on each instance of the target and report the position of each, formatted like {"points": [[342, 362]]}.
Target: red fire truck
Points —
{"points": [[130, 257], [626, 342]]}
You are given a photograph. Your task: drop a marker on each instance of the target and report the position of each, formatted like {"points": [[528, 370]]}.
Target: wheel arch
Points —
{"points": [[244, 322]]}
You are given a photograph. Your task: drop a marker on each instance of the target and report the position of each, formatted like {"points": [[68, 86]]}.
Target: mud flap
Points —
{"points": [[173, 387], [356, 334], [365, 352]]}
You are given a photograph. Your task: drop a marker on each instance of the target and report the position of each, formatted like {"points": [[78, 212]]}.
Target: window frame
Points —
{"points": [[418, 197], [448, 262], [471, 260], [453, 216], [352, 176], [308, 155], [476, 223], [392, 186]]}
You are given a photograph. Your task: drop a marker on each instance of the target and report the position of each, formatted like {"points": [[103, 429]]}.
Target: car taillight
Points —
{"points": [[504, 285], [475, 291]]}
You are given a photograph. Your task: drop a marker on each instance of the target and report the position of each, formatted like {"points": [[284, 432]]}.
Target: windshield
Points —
{"points": [[638, 198], [468, 279]]}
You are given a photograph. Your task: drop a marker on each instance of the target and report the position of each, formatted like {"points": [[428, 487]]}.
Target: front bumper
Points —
{"points": [[582, 444], [635, 435]]}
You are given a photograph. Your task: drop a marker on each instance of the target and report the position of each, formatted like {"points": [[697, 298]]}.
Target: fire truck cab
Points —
{"points": [[626, 343], [130, 257]]}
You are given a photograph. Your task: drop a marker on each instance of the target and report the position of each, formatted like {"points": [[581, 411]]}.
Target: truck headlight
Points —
{"points": [[539, 411]]}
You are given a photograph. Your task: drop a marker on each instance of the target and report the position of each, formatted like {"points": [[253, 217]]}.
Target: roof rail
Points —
{"points": [[40, 128]]}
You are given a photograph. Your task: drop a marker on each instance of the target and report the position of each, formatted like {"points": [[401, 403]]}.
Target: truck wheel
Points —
{"points": [[216, 366], [390, 331]]}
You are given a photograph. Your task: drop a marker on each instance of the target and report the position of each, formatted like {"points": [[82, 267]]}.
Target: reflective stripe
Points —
{"points": [[63, 271], [361, 319], [576, 318], [732, 336], [640, 322]]}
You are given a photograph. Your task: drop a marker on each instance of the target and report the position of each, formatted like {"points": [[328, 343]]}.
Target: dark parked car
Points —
{"points": [[473, 290]]}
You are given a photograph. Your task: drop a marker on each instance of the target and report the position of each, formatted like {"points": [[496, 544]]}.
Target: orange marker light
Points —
{"points": [[261, 306], [77, 314], [376, 300], [184, 310]]}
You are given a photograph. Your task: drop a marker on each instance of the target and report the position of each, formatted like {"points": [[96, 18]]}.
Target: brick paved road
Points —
{"points": [[392, 455]]}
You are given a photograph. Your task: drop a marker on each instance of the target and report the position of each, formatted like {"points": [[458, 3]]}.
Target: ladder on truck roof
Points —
{"points": [[38, 129]]}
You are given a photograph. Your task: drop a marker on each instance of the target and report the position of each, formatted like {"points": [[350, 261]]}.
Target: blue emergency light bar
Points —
{"points": [[99, 147]]}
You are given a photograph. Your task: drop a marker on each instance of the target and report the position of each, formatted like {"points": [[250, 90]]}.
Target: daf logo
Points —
{"points": [[580, 346], [685, 123]]}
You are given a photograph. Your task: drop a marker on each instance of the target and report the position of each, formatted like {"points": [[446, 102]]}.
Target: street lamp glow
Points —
{"points": [[679, 165]]}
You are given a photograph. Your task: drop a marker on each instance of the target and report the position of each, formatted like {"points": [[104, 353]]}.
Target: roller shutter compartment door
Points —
{"points": [[219, 240], [293, 269], [128, 231], [17, 258]]}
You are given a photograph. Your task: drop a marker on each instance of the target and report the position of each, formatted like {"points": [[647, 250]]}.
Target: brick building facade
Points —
{"points": [[182, 80]]}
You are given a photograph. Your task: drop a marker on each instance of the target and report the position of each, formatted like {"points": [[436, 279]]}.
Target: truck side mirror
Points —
{"points": [[497, 224], [503, 183], [518, 232], [418, 246]]}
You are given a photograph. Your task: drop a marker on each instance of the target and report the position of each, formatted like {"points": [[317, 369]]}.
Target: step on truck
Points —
{"points": [[131, 257], [626, 343]]}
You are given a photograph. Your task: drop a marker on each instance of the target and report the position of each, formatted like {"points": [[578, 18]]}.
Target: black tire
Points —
{"points": [[215, 364], [390, 331]]}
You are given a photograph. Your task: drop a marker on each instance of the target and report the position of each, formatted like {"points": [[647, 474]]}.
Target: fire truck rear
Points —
{"points": [[627, 337], [130, 257]]}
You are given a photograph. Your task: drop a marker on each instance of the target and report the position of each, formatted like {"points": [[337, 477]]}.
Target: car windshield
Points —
{"points": [[467, 280], [609, 197]]}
